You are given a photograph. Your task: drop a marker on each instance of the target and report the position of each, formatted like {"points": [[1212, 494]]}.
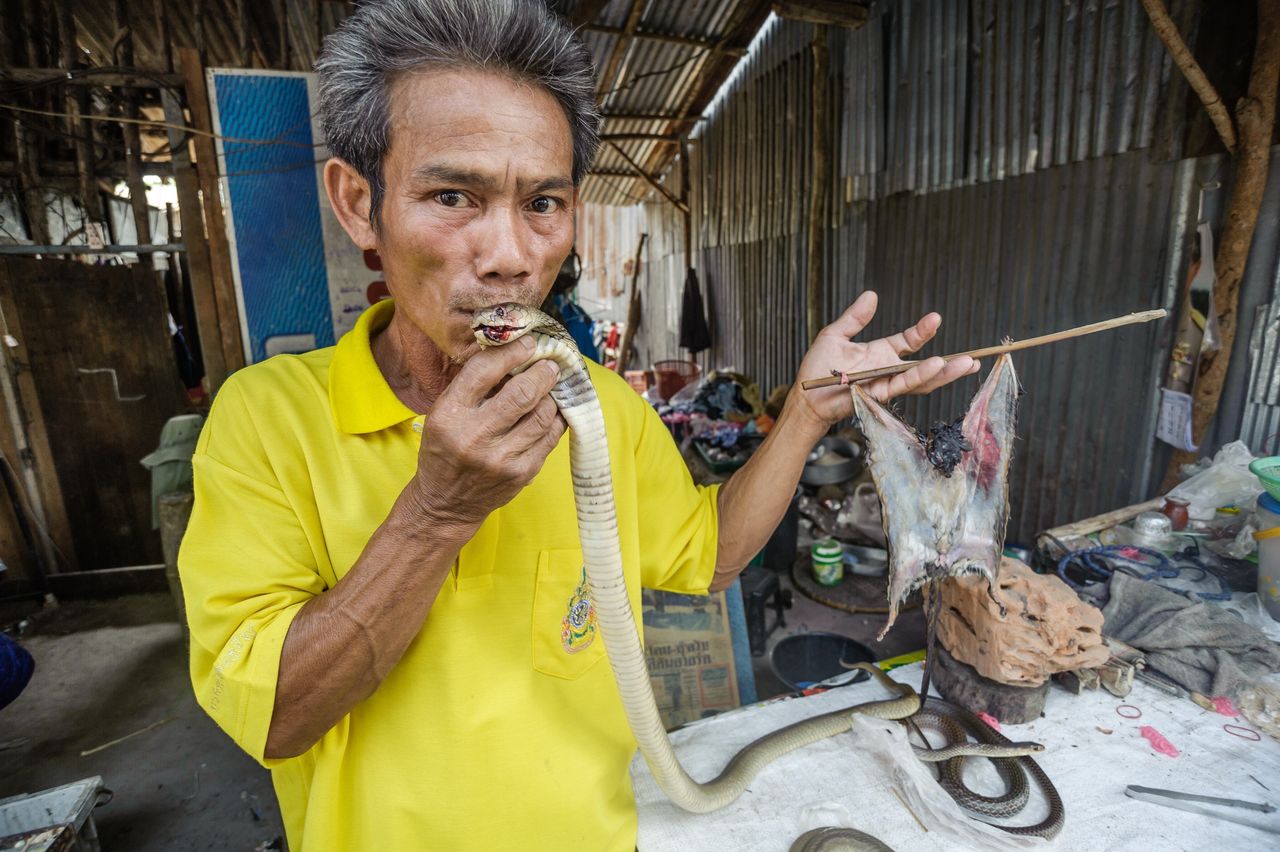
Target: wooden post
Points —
{"points": [[29, 186], [818, 185], [242, 36], [76, 106], [1255, 118], [164, 43], [202, 288], [132, 142], [684, 198], [31, 438], [224, 286], [197, 23], [633, 310], [175, 512], [282, 18]]}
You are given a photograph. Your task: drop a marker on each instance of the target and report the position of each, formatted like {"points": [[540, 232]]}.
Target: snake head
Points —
{"points": [[499, 324]]}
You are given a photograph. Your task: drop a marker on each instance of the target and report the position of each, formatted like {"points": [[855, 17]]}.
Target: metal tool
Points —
{"points": [[1202, 804]]}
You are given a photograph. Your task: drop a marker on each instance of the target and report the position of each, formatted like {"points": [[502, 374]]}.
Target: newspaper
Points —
{"points": [[689, 649]]}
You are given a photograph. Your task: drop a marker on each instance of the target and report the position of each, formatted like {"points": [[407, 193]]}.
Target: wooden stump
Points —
{"points": [[175, 511], [960, 683]]}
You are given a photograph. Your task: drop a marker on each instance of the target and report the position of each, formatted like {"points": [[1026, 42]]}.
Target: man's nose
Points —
{"points": [[503, 251]]}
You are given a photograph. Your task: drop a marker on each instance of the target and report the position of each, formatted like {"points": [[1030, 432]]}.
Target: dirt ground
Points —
{"points": [[107, 669]]}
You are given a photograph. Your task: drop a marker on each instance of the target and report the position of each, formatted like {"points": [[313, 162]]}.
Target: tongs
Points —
{"points": [[1204, 805]]}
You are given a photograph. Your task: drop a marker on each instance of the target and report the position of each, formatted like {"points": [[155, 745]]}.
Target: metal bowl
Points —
{"points": [[872, 561], [832, 461]]}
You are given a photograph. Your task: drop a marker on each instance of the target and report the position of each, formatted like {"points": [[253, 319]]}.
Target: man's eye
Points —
{"points": [[451, 198], [544, 204]]}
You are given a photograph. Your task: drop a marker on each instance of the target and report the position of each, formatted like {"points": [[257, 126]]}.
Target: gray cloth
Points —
{"points": [[1199, 645]]}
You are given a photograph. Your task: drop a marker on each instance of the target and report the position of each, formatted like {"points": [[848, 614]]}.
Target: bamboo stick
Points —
{"points": [[838, 378]]}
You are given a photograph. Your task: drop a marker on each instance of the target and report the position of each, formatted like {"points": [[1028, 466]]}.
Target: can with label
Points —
{"points": [[828, 561]]}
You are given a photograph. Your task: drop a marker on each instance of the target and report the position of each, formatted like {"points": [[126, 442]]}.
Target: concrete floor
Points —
{"points": [[181, 786], [111, 668]]}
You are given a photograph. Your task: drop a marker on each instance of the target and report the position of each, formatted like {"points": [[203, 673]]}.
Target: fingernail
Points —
{"points": [[552, 367]]}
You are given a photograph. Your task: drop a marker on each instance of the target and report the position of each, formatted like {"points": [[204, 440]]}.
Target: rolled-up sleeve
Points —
{"points": [[246, 568], [679, 521]]}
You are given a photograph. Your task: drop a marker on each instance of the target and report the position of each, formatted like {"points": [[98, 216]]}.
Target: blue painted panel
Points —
{"points": [[275, 207]]}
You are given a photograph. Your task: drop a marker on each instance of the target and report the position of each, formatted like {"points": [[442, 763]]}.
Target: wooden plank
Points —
{"points": [[29, 442], [198, 262], [1098, 523], [109, 582], [224, 285], [98, 347]]}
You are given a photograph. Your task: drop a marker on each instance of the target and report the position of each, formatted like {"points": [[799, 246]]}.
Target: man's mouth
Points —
{"points": [[499, 333]]}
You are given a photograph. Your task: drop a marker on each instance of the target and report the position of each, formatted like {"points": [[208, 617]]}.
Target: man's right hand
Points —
{"points": [[483, 441]]}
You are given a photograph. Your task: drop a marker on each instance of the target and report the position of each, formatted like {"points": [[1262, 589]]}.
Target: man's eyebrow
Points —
{"points": [[550, 184], [472, 179], [454, 176]]}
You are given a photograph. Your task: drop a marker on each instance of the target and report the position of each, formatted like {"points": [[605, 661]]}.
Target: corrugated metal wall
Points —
{"points": [[1257, 399], [1022, 257], [998, 161], [1010, 164]]}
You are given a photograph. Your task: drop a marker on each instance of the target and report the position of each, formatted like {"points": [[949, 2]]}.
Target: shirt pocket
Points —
{"points": [[566, 633]]}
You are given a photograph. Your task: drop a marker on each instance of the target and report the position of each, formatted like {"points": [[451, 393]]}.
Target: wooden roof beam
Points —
{"points": [[838, 13], [650, 116], [587, 12], [627, 137], [93, 78], [669, 38], [652, 181], [613, 67]]}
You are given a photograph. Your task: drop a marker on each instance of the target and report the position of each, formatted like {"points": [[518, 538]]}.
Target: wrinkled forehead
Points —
{"points": [[454, 117]]}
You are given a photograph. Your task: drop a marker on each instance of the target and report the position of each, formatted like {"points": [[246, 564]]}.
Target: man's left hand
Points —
{"points": [[833, 349]]}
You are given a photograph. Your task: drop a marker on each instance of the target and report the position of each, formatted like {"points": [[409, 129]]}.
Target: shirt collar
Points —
{"points": [[359, 396]]}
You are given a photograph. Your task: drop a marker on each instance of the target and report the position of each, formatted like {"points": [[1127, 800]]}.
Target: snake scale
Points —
{"points": [[602, 554]]}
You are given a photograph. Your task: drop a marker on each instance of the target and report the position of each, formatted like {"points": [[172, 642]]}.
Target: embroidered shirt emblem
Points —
{"points": [[578, 627]]}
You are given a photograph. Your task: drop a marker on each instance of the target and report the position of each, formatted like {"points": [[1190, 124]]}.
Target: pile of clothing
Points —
{"points": [[722, 413]]}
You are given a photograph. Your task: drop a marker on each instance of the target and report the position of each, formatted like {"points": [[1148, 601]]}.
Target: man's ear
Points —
{"points": [[351, 198]]}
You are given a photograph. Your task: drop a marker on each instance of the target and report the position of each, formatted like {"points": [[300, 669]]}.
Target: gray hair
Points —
{"points": [[386, 38]]}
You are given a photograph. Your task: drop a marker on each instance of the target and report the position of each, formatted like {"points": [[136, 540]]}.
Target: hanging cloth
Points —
{"points": [[694, 333]]}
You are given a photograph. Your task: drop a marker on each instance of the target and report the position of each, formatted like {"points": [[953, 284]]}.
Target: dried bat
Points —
{"points": [[944, 495]]}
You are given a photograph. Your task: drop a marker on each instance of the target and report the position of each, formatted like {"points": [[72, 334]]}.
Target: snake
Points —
{"points": [[579, 405]]}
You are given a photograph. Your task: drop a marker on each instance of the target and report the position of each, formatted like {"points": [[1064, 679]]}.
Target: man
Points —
{"points": [[382, 616]]}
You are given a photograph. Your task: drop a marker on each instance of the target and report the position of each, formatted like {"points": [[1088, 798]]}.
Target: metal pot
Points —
{"points": [[832, 461]]}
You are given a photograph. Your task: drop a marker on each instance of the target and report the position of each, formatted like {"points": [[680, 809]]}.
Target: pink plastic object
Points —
{"points": [[990, 720], [1223, 705], [1158, 741]]}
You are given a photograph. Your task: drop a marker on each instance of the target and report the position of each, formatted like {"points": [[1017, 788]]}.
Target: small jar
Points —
{"points": [[1175, 510], [827, 556]]}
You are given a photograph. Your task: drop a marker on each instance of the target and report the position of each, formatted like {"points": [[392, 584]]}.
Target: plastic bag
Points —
{"points": [[1226, 482], [881, 748]]}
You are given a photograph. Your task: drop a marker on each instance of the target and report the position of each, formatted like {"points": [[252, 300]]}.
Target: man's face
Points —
{"points": [[479, 199]]}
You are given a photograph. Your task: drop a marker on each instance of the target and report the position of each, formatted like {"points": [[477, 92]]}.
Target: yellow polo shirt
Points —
{"points": [[501, 726]]}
